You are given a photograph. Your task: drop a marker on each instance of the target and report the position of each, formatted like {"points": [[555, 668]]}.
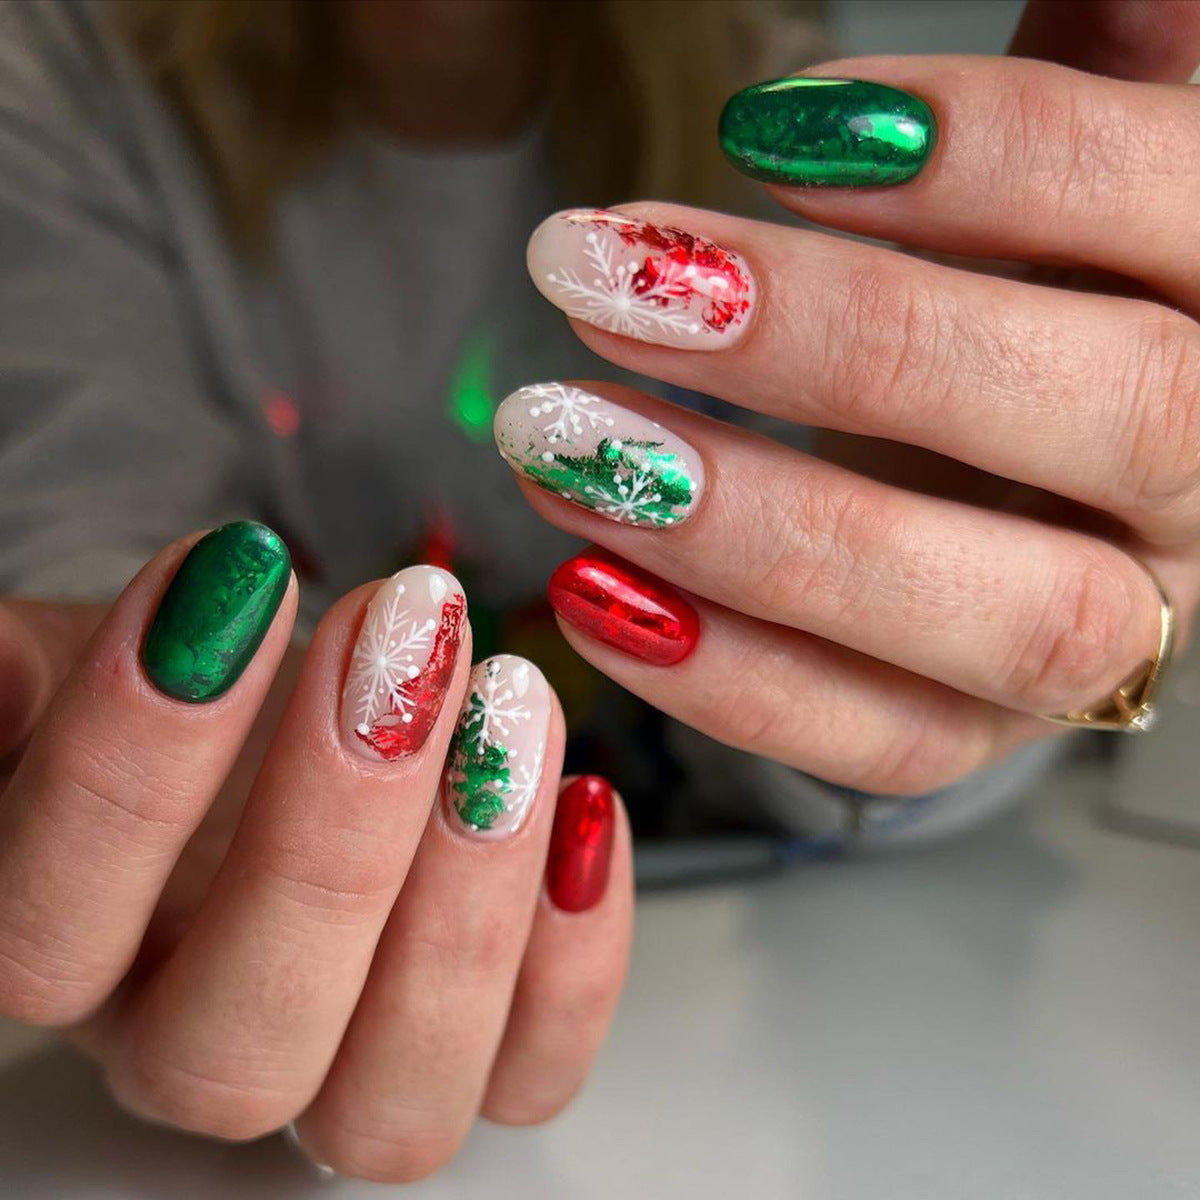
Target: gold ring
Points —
{"points": [[1131, 708]]}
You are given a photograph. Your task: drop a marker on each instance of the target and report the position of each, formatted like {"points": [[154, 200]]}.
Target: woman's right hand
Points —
{"points": [[312, 939]]}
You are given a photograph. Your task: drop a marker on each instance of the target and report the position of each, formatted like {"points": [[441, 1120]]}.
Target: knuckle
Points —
{"points": [[337, 876], [923, 756], [466, 946], [904, 338], [573, 1004], [1161, 391], [839, 530], [121, 786], [1026, 126], [1063, 151], [1064, 648], [752, 711]]}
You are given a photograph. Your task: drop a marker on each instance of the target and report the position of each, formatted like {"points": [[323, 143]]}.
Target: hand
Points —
{"points": [[333, 947], [886, 637]]}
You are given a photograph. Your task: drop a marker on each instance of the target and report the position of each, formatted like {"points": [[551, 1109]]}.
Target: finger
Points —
{"points": [[410, 1074], [118, 774], [1034, 162], [234, 1034], [38, 646], [1028, 616], [1091, 397], [1156, 41], [779, 693], [575, 962]]}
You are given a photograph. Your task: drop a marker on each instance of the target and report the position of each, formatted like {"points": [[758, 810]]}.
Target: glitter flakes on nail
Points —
{"points": [[651, 282], [593, 452]]}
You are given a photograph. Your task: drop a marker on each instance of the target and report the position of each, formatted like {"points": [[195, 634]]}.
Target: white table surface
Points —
{"points": [[1007, 1017]]}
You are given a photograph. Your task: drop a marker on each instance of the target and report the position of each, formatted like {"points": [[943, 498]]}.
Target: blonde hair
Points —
{"points": [[263, 89]]}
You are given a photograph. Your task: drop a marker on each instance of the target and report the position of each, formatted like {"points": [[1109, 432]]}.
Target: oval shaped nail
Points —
{"points": [[403, 662], [603, 457], [625, 607], [496, 755], [651, 282], [827, 133], [216, 611], [581, 844]]}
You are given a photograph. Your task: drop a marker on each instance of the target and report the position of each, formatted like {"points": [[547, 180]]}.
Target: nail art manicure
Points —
{"points": [[498, 747], [581, 844], [827, 133], [216, 611], [649, 282], [599, 455], [622, 606], [403, 662]]}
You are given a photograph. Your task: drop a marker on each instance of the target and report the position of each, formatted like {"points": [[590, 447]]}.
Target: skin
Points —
{"points": [[246, 924], [282, 947]]}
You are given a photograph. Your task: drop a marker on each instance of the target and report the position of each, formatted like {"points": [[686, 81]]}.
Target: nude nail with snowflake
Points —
{"points": [[595, 453], [402, 663], [654, 283], [498, 749]]}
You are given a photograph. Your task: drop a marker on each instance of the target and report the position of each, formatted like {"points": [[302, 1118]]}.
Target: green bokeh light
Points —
{"points": [[472, 404]]}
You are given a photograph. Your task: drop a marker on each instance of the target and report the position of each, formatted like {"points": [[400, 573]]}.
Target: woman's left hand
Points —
{"points": [[892, 638]]}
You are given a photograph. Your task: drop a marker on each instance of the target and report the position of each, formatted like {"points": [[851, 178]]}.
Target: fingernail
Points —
{"points": [[622, 606], [499, 744], [599, 455], [581, 844], [216, 611], [319, 1170], [402, 663], [827, 133], [649, 282]]}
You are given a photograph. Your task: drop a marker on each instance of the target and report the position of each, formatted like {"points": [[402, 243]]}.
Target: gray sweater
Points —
{"points": [[151, 383]]}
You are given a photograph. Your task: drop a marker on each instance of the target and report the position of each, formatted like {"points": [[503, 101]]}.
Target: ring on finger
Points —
{"points": [[1131, 707]]}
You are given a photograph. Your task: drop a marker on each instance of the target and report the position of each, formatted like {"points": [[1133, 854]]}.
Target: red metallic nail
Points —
{"points": [[581, 844], [622, 606]]}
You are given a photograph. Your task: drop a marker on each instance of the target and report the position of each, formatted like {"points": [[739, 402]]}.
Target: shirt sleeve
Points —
{"points": [[815, 818], [109, 443]]}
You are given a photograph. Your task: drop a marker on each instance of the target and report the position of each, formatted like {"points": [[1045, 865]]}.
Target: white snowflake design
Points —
{"points": [[574, 407], [628, 498], [524, 787], [497, 712], [385, 661], [611, 302]]}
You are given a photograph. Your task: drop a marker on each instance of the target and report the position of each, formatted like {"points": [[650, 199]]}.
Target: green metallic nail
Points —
{"points": [[827, 133], [217, 611]]}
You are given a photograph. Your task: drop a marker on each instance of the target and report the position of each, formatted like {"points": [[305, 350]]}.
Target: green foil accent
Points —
{"points": [[216, 611], [629, 480], [486, 778], [827, 133]]}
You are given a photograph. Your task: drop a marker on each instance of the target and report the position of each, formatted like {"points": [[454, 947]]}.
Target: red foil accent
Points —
{"points": [[622, 606], [686, 266], [581, 844], [391, 739]]}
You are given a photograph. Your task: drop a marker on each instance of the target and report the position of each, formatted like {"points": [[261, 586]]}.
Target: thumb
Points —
{"points": [[1146, 41], [38, 644]]}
